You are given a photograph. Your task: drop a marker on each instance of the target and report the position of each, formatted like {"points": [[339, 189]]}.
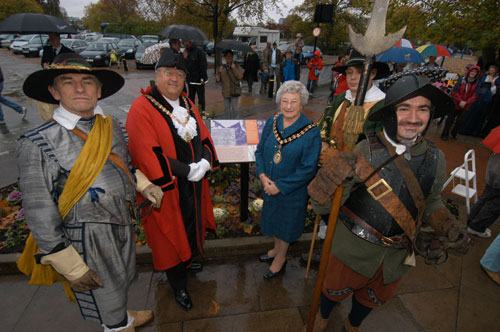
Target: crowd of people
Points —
{"points": [[82, 175]]}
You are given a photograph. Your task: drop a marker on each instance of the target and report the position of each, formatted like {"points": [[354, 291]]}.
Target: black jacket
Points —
{"points": [[49, 55], [196, 63]]}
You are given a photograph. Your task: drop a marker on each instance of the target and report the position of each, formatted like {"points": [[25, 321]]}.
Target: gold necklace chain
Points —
{"points": [[289, 138], [277, 156], [166, 111]]}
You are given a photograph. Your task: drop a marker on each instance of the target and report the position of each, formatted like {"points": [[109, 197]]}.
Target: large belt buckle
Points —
{"points": [[387, 241], [375, 185]]}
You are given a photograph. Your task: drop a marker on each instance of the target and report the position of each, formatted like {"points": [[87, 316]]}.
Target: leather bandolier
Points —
{"points": [[366, 217]]}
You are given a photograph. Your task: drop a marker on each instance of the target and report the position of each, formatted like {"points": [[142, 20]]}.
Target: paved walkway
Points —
{"points": [[230, 294]]}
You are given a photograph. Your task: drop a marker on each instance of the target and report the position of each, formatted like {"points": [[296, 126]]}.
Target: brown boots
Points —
{"points": [[319, 323]]}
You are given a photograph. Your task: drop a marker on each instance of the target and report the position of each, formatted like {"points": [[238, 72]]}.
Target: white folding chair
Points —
{"points": [[466, 175]]}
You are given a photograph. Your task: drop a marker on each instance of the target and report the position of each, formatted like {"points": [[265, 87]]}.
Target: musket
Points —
{"points": [[375, 41]]}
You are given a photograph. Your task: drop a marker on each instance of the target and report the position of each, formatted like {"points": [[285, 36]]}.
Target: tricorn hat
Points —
{"points": [[357, 59], [413, 85], [169, 58], [36, 85]]}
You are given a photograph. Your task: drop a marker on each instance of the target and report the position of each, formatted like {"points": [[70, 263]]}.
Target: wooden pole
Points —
{"points": [[325, 253], [315, 231]]}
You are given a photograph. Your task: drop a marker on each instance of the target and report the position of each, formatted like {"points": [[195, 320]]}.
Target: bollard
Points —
{"points": [[270, 86], [125, 67]]}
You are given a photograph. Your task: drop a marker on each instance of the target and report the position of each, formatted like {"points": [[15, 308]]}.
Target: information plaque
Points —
{"points": [[236, 140]]}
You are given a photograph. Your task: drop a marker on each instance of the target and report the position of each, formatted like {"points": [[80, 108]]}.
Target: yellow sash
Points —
{"points": [[85, 171]]}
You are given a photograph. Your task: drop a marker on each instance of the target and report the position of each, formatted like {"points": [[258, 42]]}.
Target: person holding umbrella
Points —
{"points": [[251, 66], [229, 75], [53, 49], [196, 63], [394, 180]]}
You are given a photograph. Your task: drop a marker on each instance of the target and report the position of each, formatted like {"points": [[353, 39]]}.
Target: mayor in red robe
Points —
{"points": [[171, 145]]}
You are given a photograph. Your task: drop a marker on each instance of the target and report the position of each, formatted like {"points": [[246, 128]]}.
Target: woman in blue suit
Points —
{"points": [[286, 157]]}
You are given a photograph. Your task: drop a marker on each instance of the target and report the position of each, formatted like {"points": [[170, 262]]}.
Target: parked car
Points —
{"points": [[108, 40], [6, 40], [149, 39], [120, 35], [77, 45], [307, 52], [209, 49], [17, 45], [34, 46], [128, 47], [99, 53], [138, 56]]}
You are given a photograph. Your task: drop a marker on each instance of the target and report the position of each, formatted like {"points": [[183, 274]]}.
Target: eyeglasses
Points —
{"points": [[292, 102], [179, 74]]}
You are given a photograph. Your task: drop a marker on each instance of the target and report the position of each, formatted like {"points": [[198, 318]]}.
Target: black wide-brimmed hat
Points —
{"points": [[36, 85], [169, 58], [410, 86], [357, 59]]}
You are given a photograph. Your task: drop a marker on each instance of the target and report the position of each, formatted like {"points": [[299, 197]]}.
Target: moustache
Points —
{"points": [[408, 123]]}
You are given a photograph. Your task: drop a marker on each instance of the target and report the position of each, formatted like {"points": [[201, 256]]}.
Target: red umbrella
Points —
{"points": [[434, 50], [404, 43], [492, 141]]}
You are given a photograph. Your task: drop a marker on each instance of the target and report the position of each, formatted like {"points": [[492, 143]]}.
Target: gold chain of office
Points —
{"points": [[282, 142], [173, 117]]}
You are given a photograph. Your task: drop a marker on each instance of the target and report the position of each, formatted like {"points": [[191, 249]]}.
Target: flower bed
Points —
{"points": [[225, 190]]}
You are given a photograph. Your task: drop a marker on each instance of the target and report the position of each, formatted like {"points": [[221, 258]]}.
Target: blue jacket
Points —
{"points": [[284, 214]]}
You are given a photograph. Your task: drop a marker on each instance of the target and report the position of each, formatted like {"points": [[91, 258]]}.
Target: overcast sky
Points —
{"points": [[75, 8]]}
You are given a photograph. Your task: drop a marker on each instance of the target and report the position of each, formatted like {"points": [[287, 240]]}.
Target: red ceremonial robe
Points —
{"points": [[151, 145]]}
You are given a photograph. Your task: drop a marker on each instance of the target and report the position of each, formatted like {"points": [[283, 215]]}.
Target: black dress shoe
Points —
{"points": [[270, 274], [265, 258], [196, 267], [183, 299]]}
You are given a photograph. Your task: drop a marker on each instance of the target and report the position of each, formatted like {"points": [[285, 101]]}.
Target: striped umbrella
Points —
{"points": [[404, 43], [434, 50]]}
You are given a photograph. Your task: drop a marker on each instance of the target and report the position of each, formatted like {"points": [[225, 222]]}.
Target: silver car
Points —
{"points": [[17, 45]]}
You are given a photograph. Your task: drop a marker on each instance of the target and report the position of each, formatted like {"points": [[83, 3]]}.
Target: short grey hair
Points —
{"points": [[293, 87]]}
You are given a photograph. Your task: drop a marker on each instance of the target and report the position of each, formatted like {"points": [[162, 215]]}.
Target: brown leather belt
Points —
{"points": [[388, 241]]}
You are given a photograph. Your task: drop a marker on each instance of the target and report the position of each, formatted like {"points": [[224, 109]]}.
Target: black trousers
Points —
{"points": [[486, 210], [460, 116], [200, 91], [177, 276]]}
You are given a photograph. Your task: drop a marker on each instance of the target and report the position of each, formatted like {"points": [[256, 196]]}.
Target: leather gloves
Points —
{"points": [[327, 154], [71, 266], [197, 170], [150, 191], [332, 174], [154, 194], [455, 236]]}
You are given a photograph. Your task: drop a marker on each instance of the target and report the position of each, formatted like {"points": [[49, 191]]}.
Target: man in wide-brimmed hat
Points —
{"points": [[392, 182], [171, 145], [332, 122], [78, 192]]}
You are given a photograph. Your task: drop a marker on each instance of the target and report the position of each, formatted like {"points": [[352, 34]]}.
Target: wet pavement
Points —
{"points": [[230, 293]]}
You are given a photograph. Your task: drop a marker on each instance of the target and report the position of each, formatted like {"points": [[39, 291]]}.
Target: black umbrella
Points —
{"points": [[35, 23], [184, 32], [234, 45]]}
